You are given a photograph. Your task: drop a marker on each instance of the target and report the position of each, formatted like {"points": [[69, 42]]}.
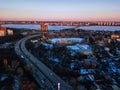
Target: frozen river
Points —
{"points": [[101, 28], [37, 27]]}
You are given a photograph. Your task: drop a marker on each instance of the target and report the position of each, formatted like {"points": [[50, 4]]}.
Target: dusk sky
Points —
{"points": [[67, 10]]}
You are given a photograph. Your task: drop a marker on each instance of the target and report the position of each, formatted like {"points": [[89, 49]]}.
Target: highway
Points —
{"points": [[39, 77], [43, 75]]}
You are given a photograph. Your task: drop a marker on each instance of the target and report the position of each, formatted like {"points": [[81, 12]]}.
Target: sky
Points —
{"points": [[60, 10]]}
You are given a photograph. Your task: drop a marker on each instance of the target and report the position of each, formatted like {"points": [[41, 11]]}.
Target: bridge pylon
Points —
{"points": [[43, 27]]}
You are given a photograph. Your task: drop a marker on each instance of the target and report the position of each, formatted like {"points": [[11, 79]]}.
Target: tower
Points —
{"points": [[44, 27]]}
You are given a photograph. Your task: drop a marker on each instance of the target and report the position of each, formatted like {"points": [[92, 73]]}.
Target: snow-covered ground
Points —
{"points": [[66, 40], [105, 28], [61, 41], [79, 47], [3, 77], [47, 45], [55, 60], [73, 48], [86, 49], [16, 85], [73, 44], [36, 27], [83, 48]]}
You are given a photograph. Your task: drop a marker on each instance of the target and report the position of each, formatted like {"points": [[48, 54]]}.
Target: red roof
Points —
{"points": [[3, 28]]}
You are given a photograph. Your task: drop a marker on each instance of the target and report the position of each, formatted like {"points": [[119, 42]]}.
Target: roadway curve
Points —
{"points": [[43, 75]]}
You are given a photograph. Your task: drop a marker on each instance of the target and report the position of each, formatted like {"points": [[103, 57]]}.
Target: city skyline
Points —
{"points": [[62, 10]]}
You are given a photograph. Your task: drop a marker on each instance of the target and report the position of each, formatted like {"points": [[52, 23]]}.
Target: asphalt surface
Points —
{"points": [[43, 75]]}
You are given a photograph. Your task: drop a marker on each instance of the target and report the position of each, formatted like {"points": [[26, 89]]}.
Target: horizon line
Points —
{"points": [[66, 20]]}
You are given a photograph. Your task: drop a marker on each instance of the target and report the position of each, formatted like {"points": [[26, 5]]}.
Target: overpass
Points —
{"points": [[42, 74]]}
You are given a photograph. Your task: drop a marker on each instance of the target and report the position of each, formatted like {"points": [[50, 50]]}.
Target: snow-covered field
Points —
{"points": [[77, 47], [36, 27], [73, 44], [66, 40], [105, 28], [86, 49]]}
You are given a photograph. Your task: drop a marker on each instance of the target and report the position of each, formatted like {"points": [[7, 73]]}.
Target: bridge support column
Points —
{"points": [[43, 27]]}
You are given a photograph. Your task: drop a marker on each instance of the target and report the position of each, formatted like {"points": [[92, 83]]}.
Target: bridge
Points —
{"points": [[42, 74], [44, 24]]}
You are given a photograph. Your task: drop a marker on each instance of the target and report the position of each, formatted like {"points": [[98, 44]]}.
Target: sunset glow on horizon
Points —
{"points": [[60, 10]]}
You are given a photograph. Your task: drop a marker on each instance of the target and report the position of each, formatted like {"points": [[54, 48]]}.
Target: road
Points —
{"points": [[43, 75]]}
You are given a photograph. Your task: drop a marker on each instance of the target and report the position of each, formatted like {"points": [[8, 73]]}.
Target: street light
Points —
{"points": [[58, 86]]}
